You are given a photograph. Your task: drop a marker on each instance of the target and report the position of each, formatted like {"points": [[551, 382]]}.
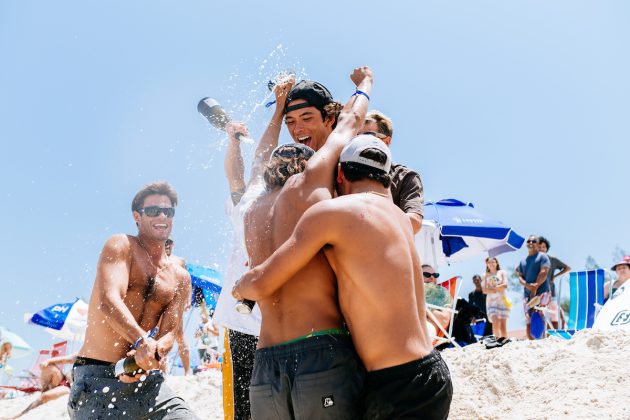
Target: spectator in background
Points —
{"points": [[532, 274], [494, 285], [406, 187], [182, 346], [207, 336], [441, 317], [622, 268], [5, 353], [555, 313], [477, 298]]}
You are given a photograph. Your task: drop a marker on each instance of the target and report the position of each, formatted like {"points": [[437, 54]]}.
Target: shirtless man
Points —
{"points": [[136, 284], [302, 320], [369, 244]]}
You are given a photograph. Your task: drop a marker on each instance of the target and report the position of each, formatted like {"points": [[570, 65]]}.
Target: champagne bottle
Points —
{"points": [[215, 114], [244, 306], [129, 366]]}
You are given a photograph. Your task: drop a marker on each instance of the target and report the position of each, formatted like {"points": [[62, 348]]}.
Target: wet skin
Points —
{"points": [[132, 292]]}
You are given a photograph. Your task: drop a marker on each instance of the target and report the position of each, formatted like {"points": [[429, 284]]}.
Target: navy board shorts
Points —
{"points": [[421, 389], [97, 394], [319, 377]]}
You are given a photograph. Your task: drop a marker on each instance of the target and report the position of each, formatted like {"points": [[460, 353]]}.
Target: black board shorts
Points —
{"points": [[421, 389], [314, 378]]}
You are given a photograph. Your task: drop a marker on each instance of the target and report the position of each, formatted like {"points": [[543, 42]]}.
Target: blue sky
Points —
{"points": [[520, 107]]}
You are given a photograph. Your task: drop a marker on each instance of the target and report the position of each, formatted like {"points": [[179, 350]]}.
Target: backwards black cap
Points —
{"points": [[314, 93]]}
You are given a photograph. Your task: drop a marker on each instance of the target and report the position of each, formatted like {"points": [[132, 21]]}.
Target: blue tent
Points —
{"points": [[206, 281], [453, 231]]}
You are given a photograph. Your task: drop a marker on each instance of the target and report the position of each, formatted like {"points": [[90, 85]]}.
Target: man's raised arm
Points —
{"points": [[233, 163], [320, 169], [315, 229]]}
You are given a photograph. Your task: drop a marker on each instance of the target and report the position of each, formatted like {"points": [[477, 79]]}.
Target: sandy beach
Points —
{"points": [[586, 377]]}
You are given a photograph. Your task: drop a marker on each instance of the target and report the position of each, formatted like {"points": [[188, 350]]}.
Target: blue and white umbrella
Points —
{"points": [[64, 320], [208, 280], [453, 231]]}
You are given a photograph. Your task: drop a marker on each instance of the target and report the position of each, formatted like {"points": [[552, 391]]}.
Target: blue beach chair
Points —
{"points": [[587, 296]]}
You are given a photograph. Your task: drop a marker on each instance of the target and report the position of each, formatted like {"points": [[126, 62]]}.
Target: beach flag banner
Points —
{"points": [[453, 231], [63, 320], [587, 297], [207, 281]]}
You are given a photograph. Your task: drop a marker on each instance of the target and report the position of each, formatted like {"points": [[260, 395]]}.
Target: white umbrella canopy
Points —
{"points": [[20, 347]]}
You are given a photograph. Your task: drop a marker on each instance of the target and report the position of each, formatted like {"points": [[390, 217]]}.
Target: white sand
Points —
{"points": [[587, 377]]}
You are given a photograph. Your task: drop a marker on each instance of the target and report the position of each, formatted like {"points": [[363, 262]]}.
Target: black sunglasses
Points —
{"points": [[376, 134], [154, 211], [529, 241], [429, 275]]}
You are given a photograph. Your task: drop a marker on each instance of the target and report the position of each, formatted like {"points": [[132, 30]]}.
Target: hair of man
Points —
{"points": [[154, 188], [280, 168], [542, 239], [382, 121]]}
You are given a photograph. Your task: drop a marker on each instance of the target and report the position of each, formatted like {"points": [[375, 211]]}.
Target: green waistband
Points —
{"points": [[342, 331]]}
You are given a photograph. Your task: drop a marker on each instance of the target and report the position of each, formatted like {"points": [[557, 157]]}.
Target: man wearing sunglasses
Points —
{"points": [[137, 286], [406, 187], [429, 275], [532, 274]]}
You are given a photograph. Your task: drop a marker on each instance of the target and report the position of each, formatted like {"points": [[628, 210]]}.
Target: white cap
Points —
{"points": [[353, 150]]}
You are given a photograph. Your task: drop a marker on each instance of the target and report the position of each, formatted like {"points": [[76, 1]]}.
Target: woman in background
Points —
{"points": [[494, 285]]}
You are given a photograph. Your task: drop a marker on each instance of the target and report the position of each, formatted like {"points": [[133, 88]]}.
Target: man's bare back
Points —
{"points": [[145, 298]]}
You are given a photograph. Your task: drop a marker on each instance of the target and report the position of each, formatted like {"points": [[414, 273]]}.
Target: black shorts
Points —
{"points": [[421, 389], [314, 378]]}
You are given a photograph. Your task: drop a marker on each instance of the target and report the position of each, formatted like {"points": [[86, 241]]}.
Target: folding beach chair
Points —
{"points": [[452, 285], [587, 297]]}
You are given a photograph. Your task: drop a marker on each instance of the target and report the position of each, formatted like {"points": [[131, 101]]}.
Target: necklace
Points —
{"points": [[378, 193], [157, 269]]}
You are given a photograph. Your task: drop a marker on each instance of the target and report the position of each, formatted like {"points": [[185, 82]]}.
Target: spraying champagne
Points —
{"points": [[216, 115]]}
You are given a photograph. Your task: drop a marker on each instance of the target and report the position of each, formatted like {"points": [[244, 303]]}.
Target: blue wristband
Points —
{"points": [[360, 92], [150, 335], [135, 345]]}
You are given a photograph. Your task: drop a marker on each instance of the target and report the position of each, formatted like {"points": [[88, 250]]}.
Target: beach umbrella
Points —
{"points": [[20, 347], [453, 231], [206, 282], [67, 321]]}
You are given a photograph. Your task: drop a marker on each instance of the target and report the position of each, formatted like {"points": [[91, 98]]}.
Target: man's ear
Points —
{"points": [[339, 174], [387, 140], [329, 121], [136, 217]]}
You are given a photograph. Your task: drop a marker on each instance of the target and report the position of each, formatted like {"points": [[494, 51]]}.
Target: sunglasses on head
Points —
{"points": [[429, 275], [532, 241], [376, 134], [154, 211]]}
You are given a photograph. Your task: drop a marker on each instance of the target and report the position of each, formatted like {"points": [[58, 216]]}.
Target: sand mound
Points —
{"points": [[587, 377], [202, 392]]}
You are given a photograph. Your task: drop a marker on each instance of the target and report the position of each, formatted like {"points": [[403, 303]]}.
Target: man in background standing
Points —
{"points": [[406, 187], [555, 314], [478, 299], [532, 274]]}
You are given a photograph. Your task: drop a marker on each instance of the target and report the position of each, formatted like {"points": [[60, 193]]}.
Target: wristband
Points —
{"points": [[144, 337], [360, 92]]}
